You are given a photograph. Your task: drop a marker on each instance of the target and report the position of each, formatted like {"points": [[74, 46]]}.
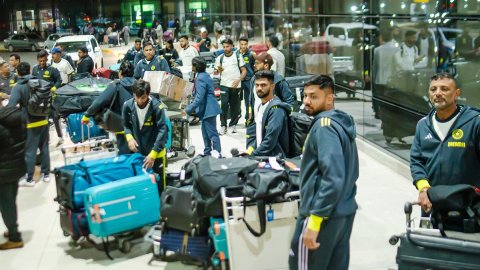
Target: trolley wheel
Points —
{"points": [[75, 237], [393, 240], [73, 243], [66, 234], [191, 151], [162, 254], [125, 246]]}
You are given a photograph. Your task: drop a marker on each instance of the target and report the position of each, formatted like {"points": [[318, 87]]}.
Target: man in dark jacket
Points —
{"points": [[146, 129], [85, 63], [123, 88], [205, 106], [151, 62], [37, 128], [8, 80], [445, 149], [52, 75], [132, 52], [264, 61], [272, 134], [249, 61], [12, 167], [328, 175]]}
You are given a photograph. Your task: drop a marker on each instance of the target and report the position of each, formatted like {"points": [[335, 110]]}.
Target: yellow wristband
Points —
{"points": [[85, 118], [314, 223], [153, 154], [249, 150], [128, 137], [422, 183]]}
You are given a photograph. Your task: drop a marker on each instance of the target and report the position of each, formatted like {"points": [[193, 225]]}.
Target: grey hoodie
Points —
{"points": [[329, 167]]}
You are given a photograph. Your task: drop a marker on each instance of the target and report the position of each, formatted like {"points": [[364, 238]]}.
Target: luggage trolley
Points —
{"points": [[425, 248], [271, 250]]}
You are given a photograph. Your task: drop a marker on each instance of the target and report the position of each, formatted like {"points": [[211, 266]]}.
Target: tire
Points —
{"points": [[33, 48], [66, 234], [191, 151], [10, 48], [125, 247]]}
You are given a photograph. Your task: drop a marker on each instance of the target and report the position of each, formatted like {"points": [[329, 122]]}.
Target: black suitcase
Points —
{"points": [[427, 249], [180, 134], [179, 211], [73, 223], [296, 85]]}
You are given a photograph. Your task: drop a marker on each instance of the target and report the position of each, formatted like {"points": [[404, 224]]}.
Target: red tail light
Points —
{"points": [[217, 92]]}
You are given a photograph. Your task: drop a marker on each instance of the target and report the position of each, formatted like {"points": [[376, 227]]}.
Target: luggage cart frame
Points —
{"points": [[271, 250]]}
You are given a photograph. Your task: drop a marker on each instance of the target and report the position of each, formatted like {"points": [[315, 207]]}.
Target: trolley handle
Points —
{"points": [[223, 192]]}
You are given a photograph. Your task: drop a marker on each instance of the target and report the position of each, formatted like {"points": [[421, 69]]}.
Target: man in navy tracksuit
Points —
{"points": [[328, 173], [123, 88], [272, 133], [37, 128], [132, 52], [151, 62], [446, 146], [205, 106], [264, 61], [146, 129], [249, 61]]}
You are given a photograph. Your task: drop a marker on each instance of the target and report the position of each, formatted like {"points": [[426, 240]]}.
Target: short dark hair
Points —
{"points": [[23, 69], [148, 43], [17, 57], [228, 41], [183, 36], [42, 53], [127, 68], [442, 75], [243, 39], [274, 40], [141, 88], [199, 63], [323, 82], [410, 33], [83, 49], [138, 40], [265, 74]]}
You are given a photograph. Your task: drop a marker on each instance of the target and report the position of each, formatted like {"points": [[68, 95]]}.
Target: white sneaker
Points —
{"points": [[223, 131], [234, 129], [24, 183], [45, 178]]}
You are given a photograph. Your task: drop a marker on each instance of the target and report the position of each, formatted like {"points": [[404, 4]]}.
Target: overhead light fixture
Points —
{"points": [[382, 5]]}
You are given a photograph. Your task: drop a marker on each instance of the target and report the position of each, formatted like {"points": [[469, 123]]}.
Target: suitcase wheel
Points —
{"points": [[66, 234], [191, 151], [125, 246], [393, 240]]}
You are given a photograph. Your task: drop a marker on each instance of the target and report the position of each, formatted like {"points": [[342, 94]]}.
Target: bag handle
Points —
{"points": [[261, 216], [114, 95]]}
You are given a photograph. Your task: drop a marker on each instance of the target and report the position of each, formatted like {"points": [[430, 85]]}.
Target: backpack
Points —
{"points": [[40, 99], [237, 54], [299, 126]]}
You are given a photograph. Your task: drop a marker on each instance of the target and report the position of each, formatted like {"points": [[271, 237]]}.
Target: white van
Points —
{"points": [[343, 34], [71, 44]]}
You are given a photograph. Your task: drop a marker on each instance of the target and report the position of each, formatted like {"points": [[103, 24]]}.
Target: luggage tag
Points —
{"points": [[270, 214]]}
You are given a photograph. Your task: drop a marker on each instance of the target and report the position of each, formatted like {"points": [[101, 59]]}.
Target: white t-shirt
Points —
{"points": [[423, 46], [231, 69], [442, 128], [186, 55], [260, 111], [278, 61], [405, 57], [64, 68], [141, 113]]}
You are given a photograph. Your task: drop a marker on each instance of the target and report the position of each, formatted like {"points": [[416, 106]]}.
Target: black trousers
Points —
{"points": [[246, 95], [230, 100], [122, 144], [56, 121], [334, 250], [8, 208], [37, 138]]}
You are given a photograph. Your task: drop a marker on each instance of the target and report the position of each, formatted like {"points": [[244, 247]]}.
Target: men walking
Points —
{"points": [[151, 62], [328, 173], [230, 65], [37, 125], [278, 57], [187, 53], [249, 61]]}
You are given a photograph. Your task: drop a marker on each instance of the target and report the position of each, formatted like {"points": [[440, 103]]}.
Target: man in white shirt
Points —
{"points": [[187, 53], [230, 65], [62, 65], [278, 57], [407, 55]]}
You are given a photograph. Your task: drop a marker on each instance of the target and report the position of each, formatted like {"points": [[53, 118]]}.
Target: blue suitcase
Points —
{"points": [[218, 234], [73, 180], [185, 247], [123, 205], [74, 128]]}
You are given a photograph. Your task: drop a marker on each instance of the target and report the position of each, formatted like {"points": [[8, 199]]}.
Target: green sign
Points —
{"points": [[197, 5]]}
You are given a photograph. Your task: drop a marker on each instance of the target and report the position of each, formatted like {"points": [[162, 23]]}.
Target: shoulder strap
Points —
{"points": [[114, 95], [221, 58]]}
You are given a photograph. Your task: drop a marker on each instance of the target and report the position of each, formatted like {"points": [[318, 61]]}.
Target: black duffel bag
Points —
{"points": [[211, 174], [455, 208], [264, 186], [107, 118]]}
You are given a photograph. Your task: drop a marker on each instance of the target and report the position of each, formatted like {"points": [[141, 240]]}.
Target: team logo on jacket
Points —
{"points": [[46, 72], [457, 134], [152, 68]]}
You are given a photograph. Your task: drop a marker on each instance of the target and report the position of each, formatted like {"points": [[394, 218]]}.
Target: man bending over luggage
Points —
{"points": [[151, 62], [445, 150], [328, 173], [272, 134], [146, 128], [123, 89]]}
